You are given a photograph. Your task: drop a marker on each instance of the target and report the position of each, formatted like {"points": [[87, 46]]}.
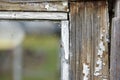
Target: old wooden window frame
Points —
{"points": [[53, 16]]}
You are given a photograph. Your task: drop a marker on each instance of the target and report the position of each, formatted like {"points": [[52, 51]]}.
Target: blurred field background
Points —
{"points": [[40, 51], [41, 58]]}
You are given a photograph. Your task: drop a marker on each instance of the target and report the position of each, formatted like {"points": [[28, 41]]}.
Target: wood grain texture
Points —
{"points": [[115, 50], [41, 6], [117, 8], [115, 44], [65, 50], [88, 38], [34, 15], [86, 0], [72, 41], [45, 0], [21, 1]]}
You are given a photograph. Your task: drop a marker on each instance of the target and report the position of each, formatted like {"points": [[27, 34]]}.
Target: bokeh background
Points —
{"points": [[29, 50]]}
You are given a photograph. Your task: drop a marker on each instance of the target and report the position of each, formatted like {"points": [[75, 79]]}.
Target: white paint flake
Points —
{"points": [[65, 47], [101, 49], [101, 36], [104, 30], [101, 46], [99, 67], [107, 40], [65, 38], [99, 62], [48, 7], [65, 3], [104, 64], [105, 79], [65, 70], [86, 71]]}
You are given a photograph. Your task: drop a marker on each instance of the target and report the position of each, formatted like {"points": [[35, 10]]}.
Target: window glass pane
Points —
{"points": [[29, 50]]}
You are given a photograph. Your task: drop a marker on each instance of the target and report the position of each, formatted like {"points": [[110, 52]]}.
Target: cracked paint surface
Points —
{"points": [[48, 7], [86, 71], [99, 62]]}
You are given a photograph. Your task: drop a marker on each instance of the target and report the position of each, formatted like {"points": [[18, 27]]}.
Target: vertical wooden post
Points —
{"points": [[89, 40], [115, 44], [65, 50]]}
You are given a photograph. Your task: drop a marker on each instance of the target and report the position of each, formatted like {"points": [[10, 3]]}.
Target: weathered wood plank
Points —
{"points": [[115, 44], [115, 50], [89, 24], [45, 0], [72, 41], [113, 61], [117, 8], [89, 43], [65, 50], [102, 25], [86, 0], [78, 38], [14, 1], [42, 6], [33, 15]]}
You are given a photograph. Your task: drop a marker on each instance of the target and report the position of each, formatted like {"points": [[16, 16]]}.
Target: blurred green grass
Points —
{"points": [[48, 70], [33, 68]]}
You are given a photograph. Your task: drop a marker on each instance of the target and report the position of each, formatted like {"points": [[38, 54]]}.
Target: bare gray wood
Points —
{"points": [[89, 43], [41, 6], [45, 0], [85, 0], [72, 41], [115, 42], [14, 1], [115, 50], [34, 15], [117, 8]]}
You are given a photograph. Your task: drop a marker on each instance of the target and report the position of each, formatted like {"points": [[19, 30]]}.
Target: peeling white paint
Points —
{"points": [[107, 40], [37, 15], [104, 64], [100, 53], [65, 47], [105, 79], [98, 67], [55, 7], [65, 3], [65, 71], [101, 36], [104, 30], [99, 62], [101, 46], [86, 71], [68, 10], [101, 49], [65, 38], [48, 7], [96, 73]]}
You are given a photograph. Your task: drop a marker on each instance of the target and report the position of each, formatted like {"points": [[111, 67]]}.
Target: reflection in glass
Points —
{"points": [[29, 50]]}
